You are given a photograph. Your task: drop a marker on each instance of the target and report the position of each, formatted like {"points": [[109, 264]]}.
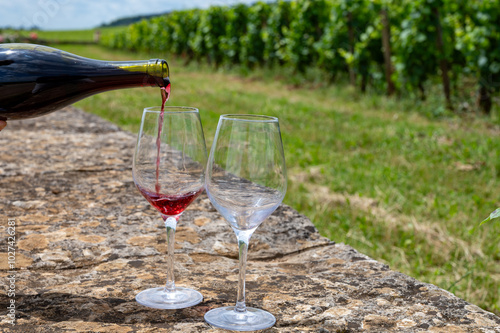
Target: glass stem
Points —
{"points": [[170, 224], [243, 240]]}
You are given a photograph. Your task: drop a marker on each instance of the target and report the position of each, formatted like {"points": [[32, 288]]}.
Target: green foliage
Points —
{"points": [[366, 56], [478, 39], [334, 45], [252, 43], [414, 45], [213, 27], [306, 28], [274, 32], [231, 43], [341, 38]]}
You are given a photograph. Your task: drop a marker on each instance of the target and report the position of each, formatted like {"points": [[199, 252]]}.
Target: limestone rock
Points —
{"points": [[87, 243]]}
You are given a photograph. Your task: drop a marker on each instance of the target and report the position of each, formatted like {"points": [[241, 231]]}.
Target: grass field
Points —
{"points": [[67, 36], [371, 172], [77, 35]]}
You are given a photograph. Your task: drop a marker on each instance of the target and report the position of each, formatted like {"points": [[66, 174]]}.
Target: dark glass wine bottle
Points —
{"points": [[36, 80]]}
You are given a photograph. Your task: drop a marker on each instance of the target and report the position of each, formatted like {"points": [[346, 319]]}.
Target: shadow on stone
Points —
{"points": [[61, 307]]}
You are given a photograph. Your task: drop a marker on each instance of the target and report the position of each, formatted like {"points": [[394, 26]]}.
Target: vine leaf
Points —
{"points": [[492, 216]]}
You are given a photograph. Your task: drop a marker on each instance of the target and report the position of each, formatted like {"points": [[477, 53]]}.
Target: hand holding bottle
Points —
{"points": [[2, 124]]}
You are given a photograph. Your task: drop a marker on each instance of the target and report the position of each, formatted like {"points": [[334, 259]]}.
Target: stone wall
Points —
{"points": [[87, 243]]}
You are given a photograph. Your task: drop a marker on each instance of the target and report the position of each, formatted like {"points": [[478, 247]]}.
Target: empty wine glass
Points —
{"points": [[246, 182], [169, 169]]}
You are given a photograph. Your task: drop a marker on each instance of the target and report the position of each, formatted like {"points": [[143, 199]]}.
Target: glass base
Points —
{"points": [[158, 298], [251, 320]]}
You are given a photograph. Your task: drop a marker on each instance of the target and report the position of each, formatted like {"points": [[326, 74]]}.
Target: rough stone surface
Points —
{"points": [[87, 243]]}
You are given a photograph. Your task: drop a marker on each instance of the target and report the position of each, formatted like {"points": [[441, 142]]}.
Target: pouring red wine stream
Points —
{"points": [[165, 94]]}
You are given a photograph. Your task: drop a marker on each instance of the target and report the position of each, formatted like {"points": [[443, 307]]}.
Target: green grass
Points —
{"points": [[394, 183], [69, 36]]}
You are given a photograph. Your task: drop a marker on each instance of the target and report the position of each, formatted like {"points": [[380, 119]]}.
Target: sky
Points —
{"points": [[86, 14]]}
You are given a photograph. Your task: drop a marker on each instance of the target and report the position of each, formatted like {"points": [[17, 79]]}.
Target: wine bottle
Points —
{"points": [[36, 80]]}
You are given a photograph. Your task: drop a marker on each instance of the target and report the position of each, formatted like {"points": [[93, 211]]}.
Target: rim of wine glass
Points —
{"points": [[250, 118], [171, 109]]}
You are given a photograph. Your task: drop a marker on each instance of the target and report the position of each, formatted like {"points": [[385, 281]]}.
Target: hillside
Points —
{"points": [[129, 20]]}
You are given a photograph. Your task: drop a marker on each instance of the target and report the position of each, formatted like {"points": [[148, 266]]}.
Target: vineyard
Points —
{"points": [[392, 46]]}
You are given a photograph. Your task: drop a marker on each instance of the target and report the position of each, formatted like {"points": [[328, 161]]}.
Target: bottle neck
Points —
{"points": [[155, 71]]}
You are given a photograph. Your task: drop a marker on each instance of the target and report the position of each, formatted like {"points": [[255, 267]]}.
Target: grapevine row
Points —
{"points": [[394, 45]]}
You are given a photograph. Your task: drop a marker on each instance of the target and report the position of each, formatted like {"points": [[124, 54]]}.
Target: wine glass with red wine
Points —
{"points": [[169, 171], [246, 181]]}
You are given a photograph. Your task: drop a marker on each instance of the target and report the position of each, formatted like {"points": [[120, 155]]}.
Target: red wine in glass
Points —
{"points": [[170, 205]]}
